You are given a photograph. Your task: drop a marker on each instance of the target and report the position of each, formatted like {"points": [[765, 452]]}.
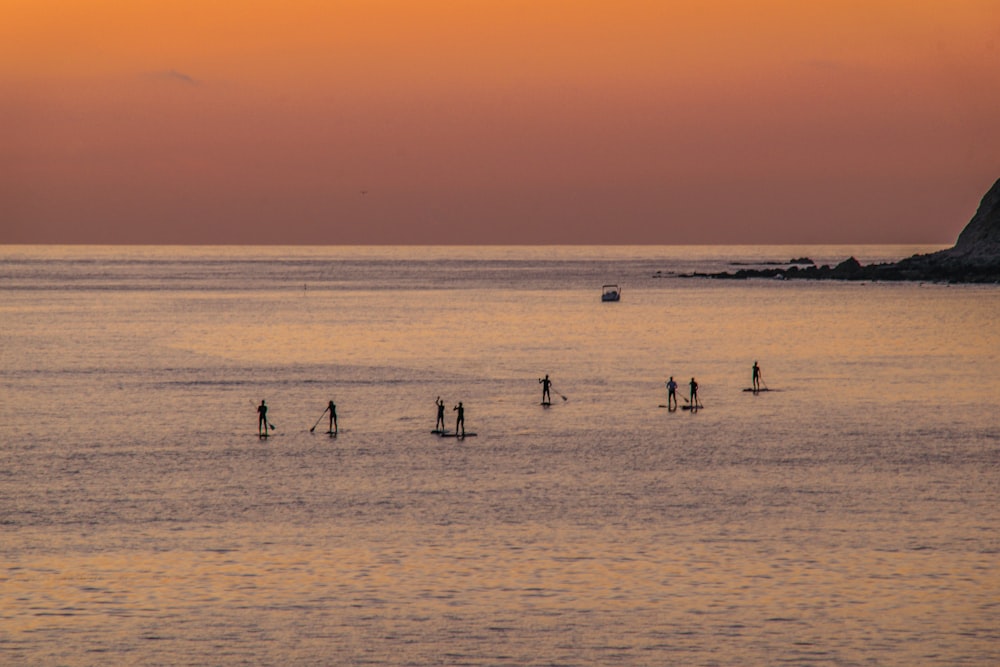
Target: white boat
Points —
{"points": [[611, 293]]}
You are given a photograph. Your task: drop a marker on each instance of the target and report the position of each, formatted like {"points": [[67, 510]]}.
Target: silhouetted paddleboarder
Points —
{"points": [[671, 393], [546, 385], [694, 394], [439, 426], [333, 418], [756, 377], [460, 421], [262, 418]]}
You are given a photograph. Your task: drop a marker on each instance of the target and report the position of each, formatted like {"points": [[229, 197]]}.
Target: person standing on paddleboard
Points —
{"points": [[262, 418], [546, 385], [333, 418], [671, 393], [460, 421], [439, 426], [694, 394], [756, 377]]}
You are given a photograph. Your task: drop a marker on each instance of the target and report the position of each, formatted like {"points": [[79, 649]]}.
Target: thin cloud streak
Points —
{"points": [[174, 75]]}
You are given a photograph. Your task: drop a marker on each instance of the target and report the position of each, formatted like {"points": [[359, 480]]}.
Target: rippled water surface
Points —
{"points": [[847, 517]]}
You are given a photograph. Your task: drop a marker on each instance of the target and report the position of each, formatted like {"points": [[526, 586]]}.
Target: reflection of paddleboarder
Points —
{"points": [[756, 377], [439, 426], [262, 418], [546, 385], [671, 393], [694, 394], [460, 421], [333, 417]]}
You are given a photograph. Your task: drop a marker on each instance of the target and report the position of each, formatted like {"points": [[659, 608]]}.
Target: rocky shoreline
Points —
{"points": [[975, 258]]}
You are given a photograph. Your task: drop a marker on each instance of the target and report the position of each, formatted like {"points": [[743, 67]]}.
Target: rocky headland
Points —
{"points": [[975, 258]]}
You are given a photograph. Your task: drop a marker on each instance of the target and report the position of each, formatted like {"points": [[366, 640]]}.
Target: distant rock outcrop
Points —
{"points": [[975, 257]]}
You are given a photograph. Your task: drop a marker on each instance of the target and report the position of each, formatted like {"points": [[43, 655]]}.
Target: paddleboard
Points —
{"points": [[757, 391], [692, 407], [545, 403], [469, 434], [667, 406], [438, 431], [332, 434]]}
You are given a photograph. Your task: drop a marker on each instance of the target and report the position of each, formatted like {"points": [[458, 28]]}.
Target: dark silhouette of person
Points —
{"points": [[546, 384], [694, 394], [460, 421], [262, 418], [671, 393], [756, 377], [439, 426], [333, 418]]}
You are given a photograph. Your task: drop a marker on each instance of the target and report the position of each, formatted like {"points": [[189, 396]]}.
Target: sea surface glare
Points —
{"points": [[849, 516]]}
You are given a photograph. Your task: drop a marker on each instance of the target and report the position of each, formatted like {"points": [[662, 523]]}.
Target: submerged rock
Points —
{"points": [[849, 267]]}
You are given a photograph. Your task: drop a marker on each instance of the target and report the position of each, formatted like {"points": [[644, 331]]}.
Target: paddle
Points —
{"points": [[558, 394], [319, 420]]}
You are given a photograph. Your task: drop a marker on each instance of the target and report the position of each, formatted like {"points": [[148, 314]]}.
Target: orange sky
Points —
{"points": [[496, 121]]}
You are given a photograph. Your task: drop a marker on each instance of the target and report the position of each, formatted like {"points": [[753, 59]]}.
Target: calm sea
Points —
{"points": [[849, 516]]}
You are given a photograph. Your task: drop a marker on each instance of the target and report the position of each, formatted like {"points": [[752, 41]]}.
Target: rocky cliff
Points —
{"points": [[980, 240], [975, 257]]}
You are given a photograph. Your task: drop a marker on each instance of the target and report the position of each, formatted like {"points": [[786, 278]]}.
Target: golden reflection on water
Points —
{"points": [[861, 340], [672, 588], [848, 519]]}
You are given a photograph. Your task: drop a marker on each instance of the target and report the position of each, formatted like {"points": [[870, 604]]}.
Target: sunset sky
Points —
{"points": [[496, 121]]}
